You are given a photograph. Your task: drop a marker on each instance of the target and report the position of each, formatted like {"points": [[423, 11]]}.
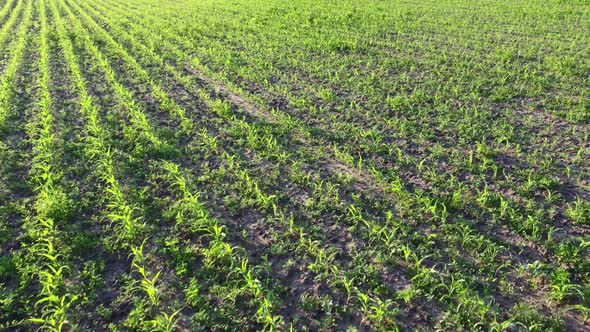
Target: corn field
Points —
{"points": [[262, 165]]}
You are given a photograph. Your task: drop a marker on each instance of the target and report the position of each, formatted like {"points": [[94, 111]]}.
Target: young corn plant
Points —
{"points": [[147, 284]]}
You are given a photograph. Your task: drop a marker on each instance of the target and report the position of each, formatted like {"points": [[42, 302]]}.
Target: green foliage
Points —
{"points": [[319, 165]]}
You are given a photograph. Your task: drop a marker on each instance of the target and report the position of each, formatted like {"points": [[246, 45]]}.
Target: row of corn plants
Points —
{"points": [[47, 254], [8, 6], [11, 101], [122, 214], [15, 12], [219, 250]]}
